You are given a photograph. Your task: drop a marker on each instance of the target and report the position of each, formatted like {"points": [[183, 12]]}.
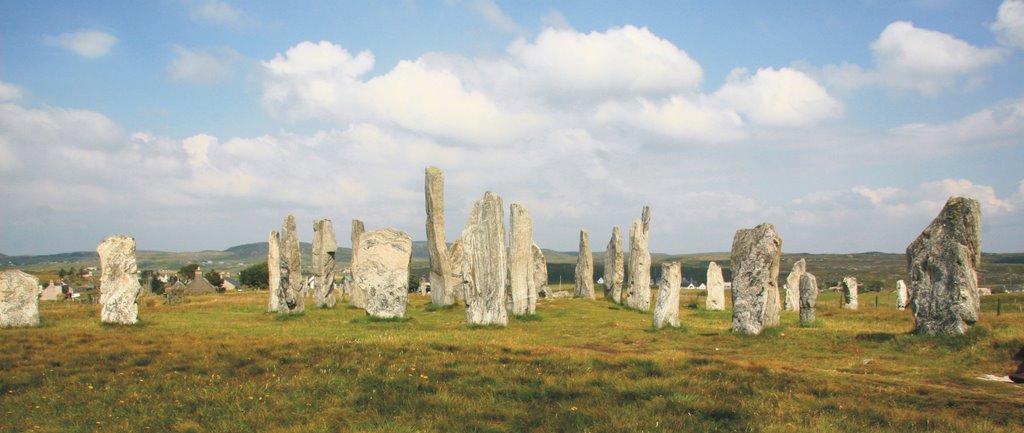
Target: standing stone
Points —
{"points": [[461, 269], [383, 272], [290, 293], [119, 280], [716, 288], [274, 270], [849, 288], [325, 246], [585, 268], [614, 262], [19, 299], [422, 288], [524, 291], [756, 254], [484, 244], [356, 295], [942, 269], [808, 297], [793, 285], [666, 309], [902, 296], [441, 291], [638, 292], [540, 272]]}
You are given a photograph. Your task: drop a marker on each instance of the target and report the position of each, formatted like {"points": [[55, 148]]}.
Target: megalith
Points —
{"points": [[325, 246], [484, 249], [942, 270], [793, 285], [274, 270], [902, 295], [119, 280], [808, 297], [850, 295], [356, 296], [666, 308], [290, 293], [715, 300], [461, 269], [520, 254], [755, 259], [638, 291], [383, 272], [540, 272], [614, 267], [19, 299], [584, 269], [441, 290]]}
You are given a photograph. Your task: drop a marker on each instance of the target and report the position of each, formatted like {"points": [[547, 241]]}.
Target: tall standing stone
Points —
{"points": [[638, 292], [585, 268], [462, 271], [356, 296], [850, 295], [290, 293], [808, 297], [484, 244], [119, 280], [274, 270], [524, 292], [716, 288], [793, 285], [325, 246], [902, 295], [540, 272], [666, 309], [756, 254], [942, 270], [383, 272], [19, 299], [441, 291], [614, 263]]}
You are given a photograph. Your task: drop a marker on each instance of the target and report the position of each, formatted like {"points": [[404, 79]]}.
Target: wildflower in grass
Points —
{"points": [[573, 408]]}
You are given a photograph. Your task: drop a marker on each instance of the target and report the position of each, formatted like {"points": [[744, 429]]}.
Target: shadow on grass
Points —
{"points": [[289, 316], [877, 337], [528, 318], [138, 324], [434, 307], [371, 319], [817, 323], [668, 328], [475, 327]]}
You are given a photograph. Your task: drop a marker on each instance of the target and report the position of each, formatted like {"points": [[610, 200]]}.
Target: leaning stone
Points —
{"points": [[666, 309], [793, 285], [290, 293], [325, 246], [850, 295], [119, 280], [356, 296], [442, 291], [484, 243], [716, 288], [520, 250], [274, 270], [902, 296], [942, 268], [540, 272], [383, 271], [614, 264], [19, 299], [638, 291], [584, 269], [756, 254], [808, 297]]}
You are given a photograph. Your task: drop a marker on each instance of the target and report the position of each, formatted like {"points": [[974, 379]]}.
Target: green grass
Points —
{"points": [[221, 363]]}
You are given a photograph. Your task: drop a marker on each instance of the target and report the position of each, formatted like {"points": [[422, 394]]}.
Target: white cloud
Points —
{"points": [[202, 66], [90, 44], [491, 12], [998, 126], [1009, 25], [198, 148], [782, 97], [677, 118], [218, 12], [986, 195], [9, 92]]}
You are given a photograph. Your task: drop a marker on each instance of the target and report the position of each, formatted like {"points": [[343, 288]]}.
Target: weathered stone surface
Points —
{"points": [[290, 294], [462, 270], [584, 269], [614, 264], [540, 272], [441, 290], [902, 295], [274, 270], [942, 268], [756, 254], [666, 308], [383, 271], [422, 287], [638, 291], [19, 299], [793, 285], [808, 296], [520, 250], [356, 296], [119, 280], [325, 246], [716, 288], [484, 249], [850, 295]]}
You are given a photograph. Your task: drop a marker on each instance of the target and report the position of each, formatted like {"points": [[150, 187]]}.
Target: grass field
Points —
{"points": [[221, 363]]}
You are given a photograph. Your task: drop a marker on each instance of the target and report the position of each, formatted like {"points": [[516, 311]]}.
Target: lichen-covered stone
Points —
{"points": [[850, 293], [756, 254], [356, 296], [383, 271], [462, 271], [808, 296], [119, 280], [19, 299], [902, 295], [540, 272], [290, 294], [793, 285], [442, 291], [942, 270], [614, 267], [666, 308], [584, 269], [716, 288], [521, 281], [274, 270], [484, 248], [638, 290], [325, 246]]}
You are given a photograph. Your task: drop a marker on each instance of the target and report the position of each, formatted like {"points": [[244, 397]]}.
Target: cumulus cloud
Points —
{"points": [[202, 66], [1009, 25], [89, 43], [783, 97], [493, 14], [9, 92]]}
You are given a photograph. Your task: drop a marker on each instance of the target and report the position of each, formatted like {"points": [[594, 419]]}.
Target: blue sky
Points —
{"points": [[198, 124]]}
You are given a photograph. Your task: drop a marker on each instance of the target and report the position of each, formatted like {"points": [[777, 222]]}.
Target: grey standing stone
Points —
{"points": [[584, 269], [942, 270], [614, 264], [756, 254], [484, 244], [808, 297], [119, 280], [666, 309], [325, 246], [462, 271], [850, 295], [356, 296], [274, 270], [383, 271], [19, 299], [522, 284], [902, 295], [793, 285], [422, 287], [638, 291], [540, 272], [290, 294], [716, 288], [441, 290]]}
